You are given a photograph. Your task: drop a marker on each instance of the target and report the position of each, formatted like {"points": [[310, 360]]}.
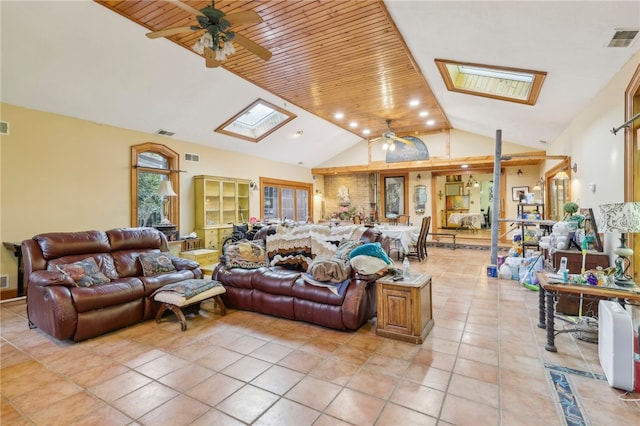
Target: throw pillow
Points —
{"points": [[154, 263], [245, 254], [368, 265], [345, 248], [84, 273], [371, 249]]}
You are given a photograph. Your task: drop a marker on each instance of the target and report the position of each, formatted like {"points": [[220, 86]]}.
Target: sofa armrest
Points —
{"points": [[182, 264], [49, 278]]}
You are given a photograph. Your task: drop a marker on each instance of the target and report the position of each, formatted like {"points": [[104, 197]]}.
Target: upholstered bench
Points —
{"points": [[177, 296]]}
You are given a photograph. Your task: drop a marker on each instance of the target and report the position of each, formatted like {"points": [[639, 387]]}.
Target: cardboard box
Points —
{"points": [[202, 256]]}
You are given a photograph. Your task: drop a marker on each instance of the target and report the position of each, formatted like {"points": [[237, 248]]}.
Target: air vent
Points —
{"points": [[4, 281], [165, 133], [4, 128], [622, 38], [192, 157]]}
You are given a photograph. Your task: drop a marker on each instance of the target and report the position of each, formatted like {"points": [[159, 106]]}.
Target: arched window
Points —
{"points": [[152, 163]]}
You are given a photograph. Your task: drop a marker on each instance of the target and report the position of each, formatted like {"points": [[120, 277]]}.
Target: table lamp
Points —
{"points": [[623, 218], [165, 190]]}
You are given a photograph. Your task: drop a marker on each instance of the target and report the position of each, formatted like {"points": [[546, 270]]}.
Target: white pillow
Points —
{"points": [[368, 265]]}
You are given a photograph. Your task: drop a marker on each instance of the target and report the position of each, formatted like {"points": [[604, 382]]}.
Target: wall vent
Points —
{"points": [[622, 38], [4, 281], [192, 157], [4, 128], [165, 133]]}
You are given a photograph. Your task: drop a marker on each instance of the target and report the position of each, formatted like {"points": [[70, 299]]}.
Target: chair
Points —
{"points": [[419, 248], [403, 219]]}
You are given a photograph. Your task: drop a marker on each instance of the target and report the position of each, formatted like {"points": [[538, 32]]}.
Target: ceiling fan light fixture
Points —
{"points": [[385, 146], [392, 146]]}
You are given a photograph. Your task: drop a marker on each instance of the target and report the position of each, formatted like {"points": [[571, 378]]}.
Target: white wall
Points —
{"points": [[599, 153]]}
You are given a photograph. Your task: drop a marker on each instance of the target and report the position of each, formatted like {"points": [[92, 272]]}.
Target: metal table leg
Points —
{"points": [[541, 311], [551, 337]]}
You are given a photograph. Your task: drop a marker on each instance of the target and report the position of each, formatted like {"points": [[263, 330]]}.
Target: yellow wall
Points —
{"points": [[63, 174]]}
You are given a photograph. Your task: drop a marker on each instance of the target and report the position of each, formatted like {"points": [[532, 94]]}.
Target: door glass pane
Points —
{"points": [[270, 202], [149, 202], [288, 211], [302, 205]]}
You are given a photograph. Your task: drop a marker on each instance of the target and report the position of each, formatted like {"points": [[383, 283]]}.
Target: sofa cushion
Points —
{"points": [[245, 254], [98, 297], [59, 244], [84, 273], [155, 263]]}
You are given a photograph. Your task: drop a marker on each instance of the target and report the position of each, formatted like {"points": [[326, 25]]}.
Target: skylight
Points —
{"points": [[256, 121], [503, 83]]}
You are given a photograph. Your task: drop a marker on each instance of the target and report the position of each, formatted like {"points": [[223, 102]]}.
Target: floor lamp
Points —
{"points": [[623, 218]]}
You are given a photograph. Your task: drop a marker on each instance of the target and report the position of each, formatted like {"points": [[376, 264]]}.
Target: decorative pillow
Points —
{"points": [[368, 265], [155, 263], [371, 249], [84, 273], [345, 248], [245, 254]]}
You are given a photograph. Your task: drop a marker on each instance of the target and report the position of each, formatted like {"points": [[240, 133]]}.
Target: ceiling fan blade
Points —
{"points": [[185, 7], [210, 59], [246, 17], [253, 47], [168, 32]]}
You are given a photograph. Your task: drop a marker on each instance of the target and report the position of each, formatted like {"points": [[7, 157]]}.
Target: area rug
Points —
{"points": [[568, 400]]}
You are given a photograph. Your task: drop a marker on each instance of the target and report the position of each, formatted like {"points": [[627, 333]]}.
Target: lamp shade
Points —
{"points": [[620, 217], [165, 189]]}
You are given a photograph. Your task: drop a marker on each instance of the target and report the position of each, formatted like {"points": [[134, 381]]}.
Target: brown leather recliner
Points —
{"points": [[65, 311], [282, 292]]}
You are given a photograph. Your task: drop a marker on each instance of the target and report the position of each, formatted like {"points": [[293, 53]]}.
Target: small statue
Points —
{"points": [[343, 196]]}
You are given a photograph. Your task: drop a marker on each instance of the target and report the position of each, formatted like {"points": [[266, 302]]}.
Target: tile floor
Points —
{"points": [[483, 363]]}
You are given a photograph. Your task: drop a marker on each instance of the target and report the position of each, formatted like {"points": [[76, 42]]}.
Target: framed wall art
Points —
{"points": [[518, 192]]}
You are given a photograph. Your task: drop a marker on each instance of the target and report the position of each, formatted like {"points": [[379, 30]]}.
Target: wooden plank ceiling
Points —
{"points": [[328, 56]]}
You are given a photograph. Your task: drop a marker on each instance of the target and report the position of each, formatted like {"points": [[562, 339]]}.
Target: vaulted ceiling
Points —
{"points": [[364, 58], [328, 57]]}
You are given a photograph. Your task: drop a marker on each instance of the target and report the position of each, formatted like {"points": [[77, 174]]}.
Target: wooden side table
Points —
{"points": [[404, 308]]}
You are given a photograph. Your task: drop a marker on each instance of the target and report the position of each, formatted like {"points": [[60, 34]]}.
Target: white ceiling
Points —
{"points": [[79, 59]]}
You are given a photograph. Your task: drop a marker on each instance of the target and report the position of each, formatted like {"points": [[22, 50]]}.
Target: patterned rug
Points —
{"points": [[569, 402]]}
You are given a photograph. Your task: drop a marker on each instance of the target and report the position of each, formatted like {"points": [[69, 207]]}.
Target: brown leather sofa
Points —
{"points": [[65, 311], [283, 292]]}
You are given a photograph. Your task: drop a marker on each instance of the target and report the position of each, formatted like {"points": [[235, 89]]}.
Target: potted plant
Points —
{"points": [[574, 219]]}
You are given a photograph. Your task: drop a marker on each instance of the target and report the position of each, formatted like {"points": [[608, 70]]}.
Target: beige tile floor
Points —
{"points": [[483, 363]]}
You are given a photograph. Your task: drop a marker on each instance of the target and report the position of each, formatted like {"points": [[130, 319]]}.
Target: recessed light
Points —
{"points": [[424, 113], [353, 124], [414, 102], [431, 122], [464, 166], [339, 115], [366, 131]]}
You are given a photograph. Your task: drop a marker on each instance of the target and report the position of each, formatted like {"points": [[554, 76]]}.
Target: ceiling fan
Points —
{"points": [[215, 43], [389, 138]]}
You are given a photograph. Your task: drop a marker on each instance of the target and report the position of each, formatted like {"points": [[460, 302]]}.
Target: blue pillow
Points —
{"points": [[371, 249]]}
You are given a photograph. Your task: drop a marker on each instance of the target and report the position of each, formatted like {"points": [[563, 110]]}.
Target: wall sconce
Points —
{"points": [[253, 185], [318, 193], [440, 195], [563, 175], [519, 172], [418, 177]]}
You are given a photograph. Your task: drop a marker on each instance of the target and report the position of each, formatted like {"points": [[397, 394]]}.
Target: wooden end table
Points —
{"points": [[550, 291], [404, 308]]}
